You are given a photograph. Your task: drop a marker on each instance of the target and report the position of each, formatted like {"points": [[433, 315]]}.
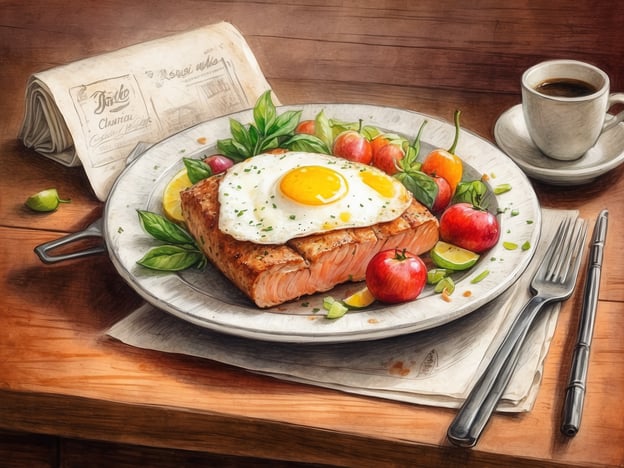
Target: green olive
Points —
{"points": [[46, 200]]}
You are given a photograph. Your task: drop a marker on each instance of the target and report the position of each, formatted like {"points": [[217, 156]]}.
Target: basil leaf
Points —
{"points": [[323, 130], [171, 258], [423, 187], [470, 192], [370, 132], [242, 137], [264, 112], [229, 148], [307, 143], [283, 125], [269, 145], [162, 229], [339, 126], [196, 169]]}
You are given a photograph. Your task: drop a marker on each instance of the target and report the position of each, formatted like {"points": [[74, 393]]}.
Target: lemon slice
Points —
{"points": [[451, 257], [171, 196], [360, 299]]}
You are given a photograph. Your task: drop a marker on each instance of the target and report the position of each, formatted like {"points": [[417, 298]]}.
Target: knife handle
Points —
{"points": [[575, 392]]}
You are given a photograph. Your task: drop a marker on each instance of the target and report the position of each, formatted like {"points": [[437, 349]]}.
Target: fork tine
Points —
{"points": [[560, 268], [574, 235], [556, 252]]}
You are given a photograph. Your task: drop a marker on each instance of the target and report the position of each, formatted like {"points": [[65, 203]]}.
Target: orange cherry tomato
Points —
{"points": [[445, 163]]}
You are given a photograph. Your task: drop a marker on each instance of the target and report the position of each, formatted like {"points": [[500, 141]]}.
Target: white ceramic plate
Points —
{"points": [[513, 138], [207, 299]]}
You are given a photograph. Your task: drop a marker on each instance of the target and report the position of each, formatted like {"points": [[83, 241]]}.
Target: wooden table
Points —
{"points": [[70, 396]]}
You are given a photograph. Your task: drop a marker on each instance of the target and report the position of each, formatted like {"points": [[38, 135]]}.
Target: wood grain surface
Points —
{"points": [[69, 396]]}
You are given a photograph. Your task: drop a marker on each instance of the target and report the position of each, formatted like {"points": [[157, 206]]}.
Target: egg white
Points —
{"points": [[254, 208]]}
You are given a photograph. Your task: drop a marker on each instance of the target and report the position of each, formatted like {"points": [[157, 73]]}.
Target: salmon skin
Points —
{"points": [[273, 274]]}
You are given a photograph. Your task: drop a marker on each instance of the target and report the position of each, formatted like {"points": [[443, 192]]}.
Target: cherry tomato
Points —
{"points": [[395, 275], [443, 198], [445, 163], [379, 142], [353, 146], [306, 126], [469, 227], [218, 163], [387, 157]]}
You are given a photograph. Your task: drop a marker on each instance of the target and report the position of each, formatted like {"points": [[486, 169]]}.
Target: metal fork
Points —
{"points": [[553, 281]]}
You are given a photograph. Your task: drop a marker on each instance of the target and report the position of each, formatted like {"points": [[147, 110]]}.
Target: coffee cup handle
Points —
{"points": [[612, 120]]}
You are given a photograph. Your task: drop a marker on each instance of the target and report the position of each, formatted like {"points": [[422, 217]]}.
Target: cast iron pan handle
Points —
{"points": [[93, 230]]}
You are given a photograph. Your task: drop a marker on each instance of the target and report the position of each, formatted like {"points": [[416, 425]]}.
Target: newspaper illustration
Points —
{"points": [[94, 111]]}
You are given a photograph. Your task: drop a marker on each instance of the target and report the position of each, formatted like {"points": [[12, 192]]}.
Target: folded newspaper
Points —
{"points": [[436, 367], [94, 111]]}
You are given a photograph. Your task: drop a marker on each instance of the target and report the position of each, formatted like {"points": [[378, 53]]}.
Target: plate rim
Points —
{"points": [[321, 336]]}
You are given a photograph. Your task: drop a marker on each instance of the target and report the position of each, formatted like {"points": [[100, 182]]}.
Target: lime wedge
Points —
{"points": [[359, 299], [449, 256]]}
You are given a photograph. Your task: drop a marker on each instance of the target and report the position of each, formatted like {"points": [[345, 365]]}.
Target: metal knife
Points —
{"points": [[575, 392]]}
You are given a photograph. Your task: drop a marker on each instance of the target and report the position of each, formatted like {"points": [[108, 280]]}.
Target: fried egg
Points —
{"points": [[269, 199]]}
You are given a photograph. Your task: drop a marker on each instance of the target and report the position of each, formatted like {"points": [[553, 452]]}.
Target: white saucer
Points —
{"points": [[513, 138]]}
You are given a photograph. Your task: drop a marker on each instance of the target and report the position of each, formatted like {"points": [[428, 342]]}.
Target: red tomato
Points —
{"points": [[306, 126], [218, 163], [387, 157], [469, 227], [444, 164], [379, 142], [395, 275], [443, 198], [353, 146]]}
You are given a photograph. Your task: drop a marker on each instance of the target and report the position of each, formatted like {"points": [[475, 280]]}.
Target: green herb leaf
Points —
{"points": [[171, 258], [284, 124], [229, 148], [307, 143], [266, 132], [339, 126], [162, 229], [422, 186], [472, 192], [196, 169], [323, 130], [502, 188], [480, 277], [370, 132], [264, 113], [243, 138]]}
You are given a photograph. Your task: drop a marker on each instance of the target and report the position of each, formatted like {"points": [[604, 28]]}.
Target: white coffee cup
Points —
{"points": [[566, 127]]}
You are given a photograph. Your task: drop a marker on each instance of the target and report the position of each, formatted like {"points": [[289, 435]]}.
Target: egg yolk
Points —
{"points": [[379, 182], [313, 185]]}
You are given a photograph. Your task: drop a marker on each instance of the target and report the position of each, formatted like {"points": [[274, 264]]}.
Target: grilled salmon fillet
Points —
{"points": [[273, 274]]}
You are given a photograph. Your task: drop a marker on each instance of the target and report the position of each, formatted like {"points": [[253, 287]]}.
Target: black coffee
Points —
{"points": [[565, 87]]}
